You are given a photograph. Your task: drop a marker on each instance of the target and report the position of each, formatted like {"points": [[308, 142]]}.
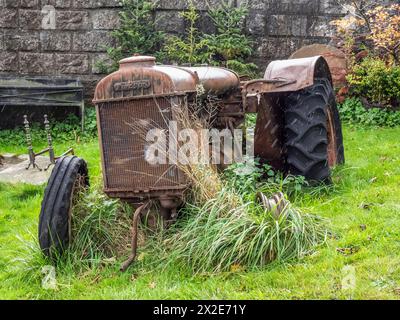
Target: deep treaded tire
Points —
{"points": [[313, 132], [69, 174]]}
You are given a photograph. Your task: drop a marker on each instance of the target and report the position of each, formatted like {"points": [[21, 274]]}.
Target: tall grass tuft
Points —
{"points": [[225, 233], [100, 235], [100, 232]]}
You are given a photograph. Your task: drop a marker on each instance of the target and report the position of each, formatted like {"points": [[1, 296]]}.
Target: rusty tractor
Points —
{"points": [[298, 131]]}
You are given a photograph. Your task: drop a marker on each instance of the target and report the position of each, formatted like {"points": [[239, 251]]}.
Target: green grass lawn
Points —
{"points": [[363, 207]]}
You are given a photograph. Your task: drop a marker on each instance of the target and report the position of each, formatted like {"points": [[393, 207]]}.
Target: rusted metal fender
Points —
{"points": [[289, 75], [301, 73]]}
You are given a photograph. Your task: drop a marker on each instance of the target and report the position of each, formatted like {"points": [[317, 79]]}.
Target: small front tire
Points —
{"points": [[68, 178]]}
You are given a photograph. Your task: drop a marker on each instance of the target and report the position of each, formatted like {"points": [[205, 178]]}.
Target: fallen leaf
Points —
{"points": [[236, 268], [348, 251]]}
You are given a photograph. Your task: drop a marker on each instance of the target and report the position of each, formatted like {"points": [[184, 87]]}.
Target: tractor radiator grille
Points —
{"points": [[124, 125]]}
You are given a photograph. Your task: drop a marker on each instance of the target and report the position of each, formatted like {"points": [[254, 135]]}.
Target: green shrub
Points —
{"points": [[353, 111], [136, 34], [228, 47], [229, 43], [378, 83], [250, 177], [192, 47]]}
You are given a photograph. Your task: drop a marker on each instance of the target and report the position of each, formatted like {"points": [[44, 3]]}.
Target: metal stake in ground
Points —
{"points": [[49, 142], [28, 137], [50, 148]]}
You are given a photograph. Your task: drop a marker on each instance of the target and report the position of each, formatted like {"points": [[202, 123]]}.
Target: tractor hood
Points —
{"points": [[139, 76]]}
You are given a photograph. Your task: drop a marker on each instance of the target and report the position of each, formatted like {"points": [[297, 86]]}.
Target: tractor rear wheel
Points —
{"points": [[313, 132], [68, 179]]}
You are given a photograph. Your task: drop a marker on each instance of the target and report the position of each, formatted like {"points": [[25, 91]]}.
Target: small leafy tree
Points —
{"points": [[378, 24], [192, 47], [136, 34], [385, 30], [229, 44], [227, 47], [373, 71]]}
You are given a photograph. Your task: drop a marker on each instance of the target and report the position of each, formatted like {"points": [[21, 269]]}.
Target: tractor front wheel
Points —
{"points": [[68, 179], [313, 132]]}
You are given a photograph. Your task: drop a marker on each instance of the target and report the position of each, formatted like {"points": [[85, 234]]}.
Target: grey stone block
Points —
{"points": [[72, 63], [33, 4], [282, 25], [255, 4], [184, 4], [92, 41], [21, 41], [87, 4], [2, 43], [8, 61], [277, 47], [256, 23], [8, 18], [292, 7], [55, 41], [319, 26], [36, 63], [332, 7], [30, 19], [170, 21], [9, 3], [73, 20], [105, 19], [57, 3]]}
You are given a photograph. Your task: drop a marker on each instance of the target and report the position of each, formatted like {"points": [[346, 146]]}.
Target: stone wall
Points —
{"points": [[66, 37]]}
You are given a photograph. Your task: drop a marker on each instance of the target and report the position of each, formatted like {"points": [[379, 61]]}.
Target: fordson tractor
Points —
{"points": [[298, 131]]}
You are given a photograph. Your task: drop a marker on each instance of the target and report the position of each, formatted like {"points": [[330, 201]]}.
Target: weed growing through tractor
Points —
{"points": [[225, 233], [223, 227]]}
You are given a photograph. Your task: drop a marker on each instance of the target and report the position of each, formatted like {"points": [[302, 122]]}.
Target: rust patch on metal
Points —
{"points": [[268, 137], [123, 127], [297, 74], [335, 58], [332, 143]]}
